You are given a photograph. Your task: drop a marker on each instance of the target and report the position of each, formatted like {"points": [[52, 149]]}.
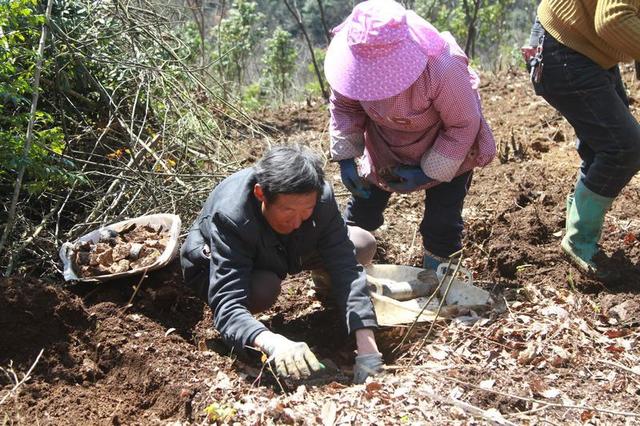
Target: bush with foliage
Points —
{"points": [[20, 27], [122, 113], [279, 62], [236, 39], [483, 27]]}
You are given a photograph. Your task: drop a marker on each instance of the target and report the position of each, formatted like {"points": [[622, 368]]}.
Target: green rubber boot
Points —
{"points": [[431, 261], [585, 217], [569, 204]]}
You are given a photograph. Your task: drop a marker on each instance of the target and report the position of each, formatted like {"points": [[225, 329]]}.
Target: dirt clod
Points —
{"points": [[134, 247]]}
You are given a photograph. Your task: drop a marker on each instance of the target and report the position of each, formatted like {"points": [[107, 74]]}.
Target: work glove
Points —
{"points": [[367, 365], [289, 358], [351, 179], [411, 177]]}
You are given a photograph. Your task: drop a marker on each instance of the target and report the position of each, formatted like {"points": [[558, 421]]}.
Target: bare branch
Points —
{"points": [[295, 12], [17, 383]]}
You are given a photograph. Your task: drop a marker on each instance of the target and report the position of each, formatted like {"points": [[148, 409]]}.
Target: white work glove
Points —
{"points": [[290, 359], [367, 365]]}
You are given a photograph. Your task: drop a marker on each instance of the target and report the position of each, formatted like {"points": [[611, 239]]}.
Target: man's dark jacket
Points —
{"points": [[240, 240]]}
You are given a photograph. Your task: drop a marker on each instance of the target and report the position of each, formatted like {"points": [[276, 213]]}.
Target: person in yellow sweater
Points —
{"points": [[579, 44]]}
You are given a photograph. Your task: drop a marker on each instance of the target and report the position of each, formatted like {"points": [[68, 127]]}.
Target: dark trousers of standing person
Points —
{"points": [[441, 227], [595, 103]]}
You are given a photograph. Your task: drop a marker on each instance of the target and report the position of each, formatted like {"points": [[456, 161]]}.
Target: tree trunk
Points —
{"points": [[198, 16], [471, 31], [219, 67], [293, 8], [327, 33], [430, 10]]}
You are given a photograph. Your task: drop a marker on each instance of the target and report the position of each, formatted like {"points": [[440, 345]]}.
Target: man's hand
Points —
{"points": [[411, 177], [369, 360], [290, 359], [367, 365], [351, 179]]}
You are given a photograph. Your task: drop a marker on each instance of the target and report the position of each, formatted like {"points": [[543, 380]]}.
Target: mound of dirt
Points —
{"points": [[102, 360], [37, 315]]}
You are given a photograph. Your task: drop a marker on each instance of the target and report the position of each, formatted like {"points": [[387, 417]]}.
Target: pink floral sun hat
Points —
{"points": [[379, 51]]}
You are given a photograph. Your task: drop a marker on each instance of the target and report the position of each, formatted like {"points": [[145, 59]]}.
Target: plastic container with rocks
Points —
{"points": [[122, 249]]}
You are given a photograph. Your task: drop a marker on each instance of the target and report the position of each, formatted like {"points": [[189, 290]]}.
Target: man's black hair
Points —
{"points": [[289, 170]]}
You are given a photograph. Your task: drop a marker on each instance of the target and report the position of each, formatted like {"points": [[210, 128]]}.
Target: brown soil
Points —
{"points": [[564, 352]]}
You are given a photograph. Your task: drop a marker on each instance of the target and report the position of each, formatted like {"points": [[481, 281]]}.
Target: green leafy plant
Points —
{"points": [[253, 97], [45, 168], [237, 37], [279, 62], [483, 27], [220, 413], [313, 87]]}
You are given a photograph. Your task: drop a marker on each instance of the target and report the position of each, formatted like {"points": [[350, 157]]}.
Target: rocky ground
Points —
{"points": [[565, 350]]}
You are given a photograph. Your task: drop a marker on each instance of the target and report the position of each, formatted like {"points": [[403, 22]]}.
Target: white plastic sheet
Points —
{"points": [[391, 312]]}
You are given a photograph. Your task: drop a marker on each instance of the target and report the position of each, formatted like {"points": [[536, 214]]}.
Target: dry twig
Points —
{"points": [[471, 409], [533, 400], [435, 292], [18, 382], [136, 288], [620, 366]]}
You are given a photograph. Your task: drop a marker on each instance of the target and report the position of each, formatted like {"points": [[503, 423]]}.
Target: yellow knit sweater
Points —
{"points": [[607, 31]]}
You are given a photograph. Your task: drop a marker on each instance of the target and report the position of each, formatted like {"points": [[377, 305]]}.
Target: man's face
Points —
{"points": [[286, 212]]}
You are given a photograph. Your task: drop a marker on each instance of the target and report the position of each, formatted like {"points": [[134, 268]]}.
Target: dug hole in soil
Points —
{"points": [[565, 340]]}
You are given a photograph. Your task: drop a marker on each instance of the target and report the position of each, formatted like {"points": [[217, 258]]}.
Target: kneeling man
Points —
{"points": [[260, 224]]}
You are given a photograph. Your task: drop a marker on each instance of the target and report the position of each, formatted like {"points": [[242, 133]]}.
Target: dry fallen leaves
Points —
{"points": [[328, 413]]}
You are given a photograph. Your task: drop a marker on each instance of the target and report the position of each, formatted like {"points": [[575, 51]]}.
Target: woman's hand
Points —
{"points": [[351, 179], [411, 177]]}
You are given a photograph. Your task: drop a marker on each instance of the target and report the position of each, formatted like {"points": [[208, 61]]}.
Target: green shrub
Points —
{"points": [[45, 169], [279, 62]]}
